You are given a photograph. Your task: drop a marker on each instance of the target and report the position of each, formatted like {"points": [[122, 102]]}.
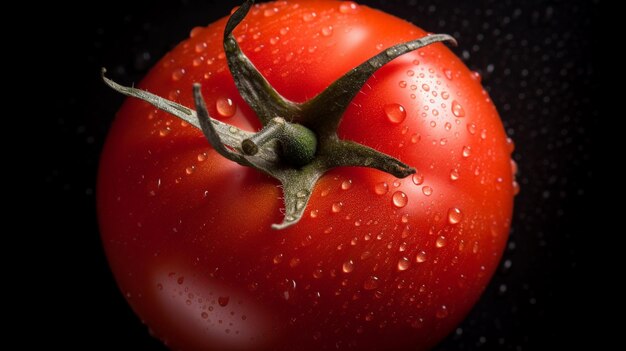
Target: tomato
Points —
{"points": [[376, 262]]}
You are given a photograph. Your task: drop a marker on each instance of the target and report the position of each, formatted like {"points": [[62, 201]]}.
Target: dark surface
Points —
{"points": [[535, 59]]}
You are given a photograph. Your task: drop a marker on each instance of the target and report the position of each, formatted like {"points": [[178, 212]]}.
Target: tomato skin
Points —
{"points": [[187, 232]]}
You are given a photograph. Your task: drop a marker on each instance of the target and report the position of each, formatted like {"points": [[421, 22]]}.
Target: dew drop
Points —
{"points": [[197, 61], [467, 151], [442, 312], [189, 170], [225, 107], [410, 73], [381, 188], [327, 31], [433, 124], [346, 184], [510, 145], [277, 259], [516, 187], [440, 242], [457, 109], [417, 178], [195, 31], [416, 62], [402, 84], [164, 131], [178, 74], [445, 95], [454, 215], [314, 213], [200, 47], [371, 283], [347, 266], [310, 16], [403, 264], [427, 190], [425, 87], [471, 128], [223, 300], [348, 7], [274, 40], [180, 280], [399, 199], [476, 76], [420, 257], [395, 113], [202, 157], [270, 11], [483, 134], [415, 138], [336, 207], [448, 126], [454, 174], [447, 73]]}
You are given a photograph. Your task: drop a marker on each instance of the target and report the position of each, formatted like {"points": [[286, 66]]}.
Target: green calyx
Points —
{"points": [[298, 142]]}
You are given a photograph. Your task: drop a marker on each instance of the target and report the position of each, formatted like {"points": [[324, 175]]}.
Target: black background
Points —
{"points": [[535, 59]]}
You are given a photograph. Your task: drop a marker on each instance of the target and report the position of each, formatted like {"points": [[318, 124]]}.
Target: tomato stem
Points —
{"points": [[298, 142]]}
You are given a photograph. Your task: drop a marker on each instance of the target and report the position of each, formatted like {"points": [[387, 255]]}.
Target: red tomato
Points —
{"points": [[376, 263]]}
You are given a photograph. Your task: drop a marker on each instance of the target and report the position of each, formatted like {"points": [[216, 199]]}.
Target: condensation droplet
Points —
{"points": [[442, 312], [425, 87], [467, 151], [457, 109], [346, 184], [348, 7], [448, 126], [483, 134], [381, 188], [417, 178], [420, 257], [415, 138], [427, 190], [310, 16], [440, 242], [445, 95], [178, 74], [225, 107], [223, 300], [447, 73], [327, 31], [277, 259], [399, 199], [189, 170], [371, 283], [347, 266], [336, 207], [402, 84], [270, 11], [395, 113], [314, 213], [410, 73], [471, 128], [200, 47], [164, 131], [204, 315], [454, 215], [454, 174], [403, 264]]}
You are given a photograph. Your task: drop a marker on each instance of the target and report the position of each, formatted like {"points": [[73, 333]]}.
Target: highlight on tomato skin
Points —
{"points": [[376, 262]]}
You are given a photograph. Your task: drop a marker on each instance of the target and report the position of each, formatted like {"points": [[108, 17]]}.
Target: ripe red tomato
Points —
{"points": [[376, 263]]}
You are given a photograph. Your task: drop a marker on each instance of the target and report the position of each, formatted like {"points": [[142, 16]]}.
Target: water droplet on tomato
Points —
{"points": [[420, 257], [327, 31], [395, 113], [381, 188], [225, 107], [336, 207], [277, 259], [310, 16], [204, 315], [516, 188], [471, 128], [454, 215], [447, 73], [427, 190], [347, 266], [287, 288], [348, 7], [346, 184], [417, 178], [180, 280], [189, 170], [200, 47], [402, 84], [467, 151], [370, 283], [454, 174], [178, 74], [445, 95], [195, 31], [270, 11], [457, 109], [510, 145], [399, 199], [415, 138], [314, 213], [403, 264], [223, 300], [476, 76], [440, 242], [442, 312], [274, 40], [425, 87], [410, 73]]}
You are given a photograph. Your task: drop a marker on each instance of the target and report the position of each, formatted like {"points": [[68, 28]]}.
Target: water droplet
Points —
{"points": [[440, 242], [467, 151], [443, 141], [314, 213], [204, 315], [399, 199], [180, 280], [318, 273], [277, 259], [425, 87], [454, 215], [287, 288], [327, 31], [164, 131], [189, 170], [294, 262], [274, 40], [433, 124], [310, 16], [510, 144], [476, 76], [435, 112], [347, 266], [447, 73], [336, 207], [223, 300], [445, 95], [225, 107], [442, 312], [370, 283], [471, 128], [417, 178], [381, 188], [416, 62], [201, 47], [420, 257], [178, 74], [270, 11], [483, 134], [427, 190], [395, 113], [410, 73], [402, 84], [348, 7], [415, 138], [403, 264], [457, 109], [454, 174], [346, 184]]}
